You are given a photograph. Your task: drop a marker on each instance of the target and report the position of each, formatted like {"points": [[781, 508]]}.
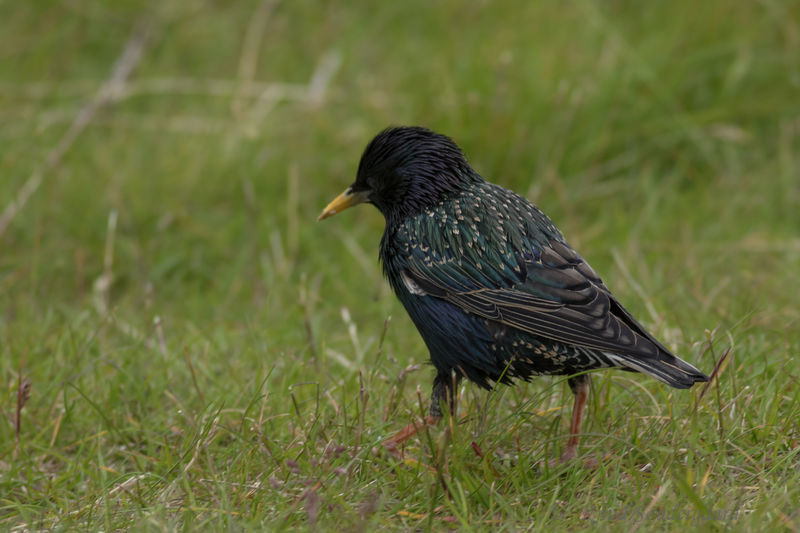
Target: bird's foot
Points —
{"points": [[392, 444], [570, 455]]}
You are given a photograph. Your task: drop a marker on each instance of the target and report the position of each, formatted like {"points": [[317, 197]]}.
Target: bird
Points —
{"points": [[495, 291]]}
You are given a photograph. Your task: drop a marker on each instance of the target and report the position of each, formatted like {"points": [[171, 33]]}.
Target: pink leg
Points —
{"points": [[580, 387]]}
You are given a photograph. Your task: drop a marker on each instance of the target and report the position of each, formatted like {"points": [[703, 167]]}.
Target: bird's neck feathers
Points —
{"points": [[428, 186]]}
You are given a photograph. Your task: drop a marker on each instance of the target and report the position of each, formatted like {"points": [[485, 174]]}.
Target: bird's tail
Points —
{"points": [[667, 368]]}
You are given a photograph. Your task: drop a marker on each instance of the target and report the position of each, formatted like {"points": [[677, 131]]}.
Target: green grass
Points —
{"points": [[179, 313]]}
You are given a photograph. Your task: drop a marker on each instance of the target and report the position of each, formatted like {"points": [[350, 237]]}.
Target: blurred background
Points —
{"points": [[162, 165]]}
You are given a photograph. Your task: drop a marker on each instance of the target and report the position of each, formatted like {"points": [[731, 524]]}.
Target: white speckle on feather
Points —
{"points": [[411, 285]]}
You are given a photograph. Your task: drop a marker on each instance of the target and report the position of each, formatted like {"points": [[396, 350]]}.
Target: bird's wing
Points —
{"points": [[551, 292]]}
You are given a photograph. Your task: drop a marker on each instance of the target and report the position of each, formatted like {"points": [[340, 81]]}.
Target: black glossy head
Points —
{"points": [[405, 169]]}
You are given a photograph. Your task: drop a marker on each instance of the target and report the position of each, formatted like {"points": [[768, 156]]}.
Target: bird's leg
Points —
{"points": [[580, 388], [444, 388], [443, 392]]}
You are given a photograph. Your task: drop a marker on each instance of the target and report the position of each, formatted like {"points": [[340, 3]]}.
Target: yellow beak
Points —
{"points": [[347, 199]]}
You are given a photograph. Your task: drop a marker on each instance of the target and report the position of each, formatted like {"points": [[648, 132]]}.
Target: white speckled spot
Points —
{"points": [[411, 285]]}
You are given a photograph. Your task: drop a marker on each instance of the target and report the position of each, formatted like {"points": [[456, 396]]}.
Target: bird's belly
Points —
{"points": [[456, 340]]}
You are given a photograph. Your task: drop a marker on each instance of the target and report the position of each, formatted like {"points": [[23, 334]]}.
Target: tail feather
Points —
{"points": [[667, 368]]}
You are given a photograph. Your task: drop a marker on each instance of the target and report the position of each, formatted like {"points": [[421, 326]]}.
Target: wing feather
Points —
{"points": [[558, 296]]}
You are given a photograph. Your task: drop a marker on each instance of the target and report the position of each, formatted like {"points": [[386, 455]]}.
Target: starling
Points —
{"points": [[489, 281]]}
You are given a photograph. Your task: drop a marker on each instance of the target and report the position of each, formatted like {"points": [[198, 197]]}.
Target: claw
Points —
{"points": [[392, 443]]}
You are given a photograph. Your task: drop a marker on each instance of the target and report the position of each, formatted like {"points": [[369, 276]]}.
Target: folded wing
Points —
{"points": [[552, 293]]}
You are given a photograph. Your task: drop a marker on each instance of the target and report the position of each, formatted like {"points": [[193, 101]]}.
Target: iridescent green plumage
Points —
{"points": [[487, 278]]}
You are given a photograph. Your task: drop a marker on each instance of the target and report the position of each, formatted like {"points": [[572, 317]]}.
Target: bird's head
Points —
{"points": [[403, 171]]}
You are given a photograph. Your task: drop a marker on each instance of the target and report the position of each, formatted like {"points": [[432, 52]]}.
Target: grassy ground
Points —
{"points": [[200, 353]]}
